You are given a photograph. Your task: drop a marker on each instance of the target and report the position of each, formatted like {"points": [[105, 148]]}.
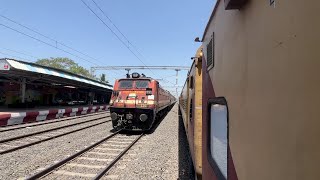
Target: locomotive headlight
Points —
{"points": [[135, 75], [148, 91], [143, 117], [114, 116]]}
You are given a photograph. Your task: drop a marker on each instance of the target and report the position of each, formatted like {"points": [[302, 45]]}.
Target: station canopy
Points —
{"points": [[14, 70]]}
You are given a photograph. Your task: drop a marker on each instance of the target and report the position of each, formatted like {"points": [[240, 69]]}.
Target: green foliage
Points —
{"points": [[65, 64]]}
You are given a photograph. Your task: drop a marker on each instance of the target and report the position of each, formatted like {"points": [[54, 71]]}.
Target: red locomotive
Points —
{"points": [[136, 102]]}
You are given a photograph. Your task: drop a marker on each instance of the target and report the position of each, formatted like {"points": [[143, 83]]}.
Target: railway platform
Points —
{"points": [[31, 92], [19, 116]]}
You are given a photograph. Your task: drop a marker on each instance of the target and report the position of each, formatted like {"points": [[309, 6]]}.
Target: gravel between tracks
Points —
{"points": [[26, 161], [162, 154]]}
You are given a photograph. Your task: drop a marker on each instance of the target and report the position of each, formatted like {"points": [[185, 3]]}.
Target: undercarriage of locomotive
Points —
{"points": [[134, 119]]}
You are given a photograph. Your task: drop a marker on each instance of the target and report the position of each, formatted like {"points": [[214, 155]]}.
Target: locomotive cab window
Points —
{"points": [[141, 84], [125, 84], [219, 137]]}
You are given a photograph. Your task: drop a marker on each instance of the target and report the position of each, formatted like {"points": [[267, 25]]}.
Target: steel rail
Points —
{"points": [[49, 138], [49, 130], [64, 161], [48, 122], [112, 163]]}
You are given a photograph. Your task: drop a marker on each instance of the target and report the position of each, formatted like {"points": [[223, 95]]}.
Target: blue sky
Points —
{"points": [[162, 31]]}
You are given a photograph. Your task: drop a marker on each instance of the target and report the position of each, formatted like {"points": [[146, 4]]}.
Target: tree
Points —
{"points": [[65, 64]]}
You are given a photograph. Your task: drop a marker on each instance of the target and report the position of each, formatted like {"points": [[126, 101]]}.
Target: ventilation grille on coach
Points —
{"points": [[210, 53]]}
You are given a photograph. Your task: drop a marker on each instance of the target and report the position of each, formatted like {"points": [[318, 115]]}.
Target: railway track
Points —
{"points": [[93, 162], [19, 142], [33, 124]]}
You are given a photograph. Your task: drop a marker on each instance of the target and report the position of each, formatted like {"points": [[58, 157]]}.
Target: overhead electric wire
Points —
{"points": [[58, 42], [20, 53], [45, 43], [115, 34], [37, 32], [54, 40], [27, 27], [128, 47], [39, 40], [125, 37], [14, 56]]}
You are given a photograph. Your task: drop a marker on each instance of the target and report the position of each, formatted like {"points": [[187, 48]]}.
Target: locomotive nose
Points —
{"points": [[143, 117]]}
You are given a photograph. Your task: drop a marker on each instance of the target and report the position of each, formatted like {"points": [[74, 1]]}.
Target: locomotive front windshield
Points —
{"points": [[126, 84], [141, 84]]}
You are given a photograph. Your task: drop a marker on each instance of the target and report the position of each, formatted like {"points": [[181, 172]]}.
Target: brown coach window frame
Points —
{"points": [[219, 106]]}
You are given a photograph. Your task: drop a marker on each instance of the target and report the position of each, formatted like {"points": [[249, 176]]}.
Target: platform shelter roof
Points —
{"points": [[11, 68]]}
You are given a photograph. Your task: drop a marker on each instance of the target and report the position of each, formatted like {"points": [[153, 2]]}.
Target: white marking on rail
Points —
{"points": [[40, 169], [32, 139], [111, 176], [122, 167], [52, 134], [84, 165], [56, 132], [125, 138], [68, 173], [113, 145], [95, 159], [41, 137], [22, 178], [120, 142], [21, 142], [106, 154], [132, 154], [108, 149], [8, 145]]}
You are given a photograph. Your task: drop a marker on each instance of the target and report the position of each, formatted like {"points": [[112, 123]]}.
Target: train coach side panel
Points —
{"points": [[164, 99], [183, 104], [197, 115], [266, 65], [191, 118], [191, 112]]}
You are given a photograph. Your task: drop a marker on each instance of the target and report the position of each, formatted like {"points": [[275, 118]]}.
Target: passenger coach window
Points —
{"points": [[191, 82], [142, 84], [218, 133], [124, 84]]}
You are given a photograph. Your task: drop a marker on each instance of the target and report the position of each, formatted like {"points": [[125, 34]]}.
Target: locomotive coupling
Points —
{"points": [[129, 116], [143, 117]]}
